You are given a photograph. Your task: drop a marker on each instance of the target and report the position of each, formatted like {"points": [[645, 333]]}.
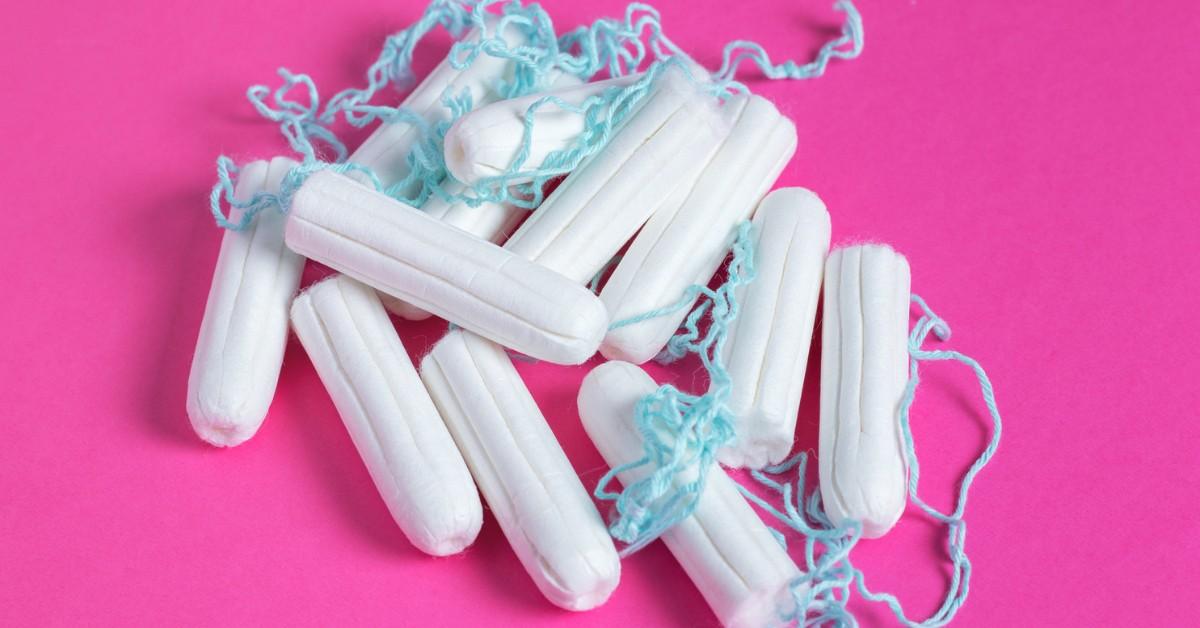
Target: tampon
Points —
{"points": [[240, 348], [475, 284], [387, 148], [657, 153], [489, 221], [724, 547], [864, 369], [394, 425], [485, 142], [679, 248], [766, 351], [544, 510]]}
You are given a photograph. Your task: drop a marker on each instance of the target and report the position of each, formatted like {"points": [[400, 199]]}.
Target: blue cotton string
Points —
{"points": [[619, 47], [227, 173], [621, 44], [602, 113], [956, 525], [394, 64], [680, 432], [848, 46], [298, 122], [821, 594]]}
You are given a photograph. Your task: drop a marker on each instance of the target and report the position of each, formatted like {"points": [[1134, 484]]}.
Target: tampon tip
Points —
{"points": [[221, 427]]}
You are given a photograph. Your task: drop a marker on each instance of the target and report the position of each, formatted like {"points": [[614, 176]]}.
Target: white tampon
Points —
{"points": [[864, 369], [242, 337], [656, 154], [489, 221], [741, 570], [544, 510], [679, 248], [387, 148], [412, 256], [766, 352], [485, 142], [394, 425]]}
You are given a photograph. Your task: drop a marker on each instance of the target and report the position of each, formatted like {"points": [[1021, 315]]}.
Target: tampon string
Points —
{"points": [[620, 46], [681, 432], [848, 46], [830, 576]]}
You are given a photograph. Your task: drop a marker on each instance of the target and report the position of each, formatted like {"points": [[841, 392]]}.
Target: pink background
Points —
{"points": [[1037, 164]]}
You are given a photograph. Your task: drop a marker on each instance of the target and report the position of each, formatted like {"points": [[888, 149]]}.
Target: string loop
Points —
{"points": [[822, 593]]}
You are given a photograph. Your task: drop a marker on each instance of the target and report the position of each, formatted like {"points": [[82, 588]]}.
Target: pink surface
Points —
{"points": [[1037, 164]]}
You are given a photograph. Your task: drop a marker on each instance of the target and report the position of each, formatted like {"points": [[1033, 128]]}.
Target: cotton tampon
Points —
{"points": [[485, 142], [546, 514], [864, 369], [244, 331], [394, 425], [475, 284], [741, 570], [658, 152], [679, 248], [387, 148], [489, 221], [766, 351]]}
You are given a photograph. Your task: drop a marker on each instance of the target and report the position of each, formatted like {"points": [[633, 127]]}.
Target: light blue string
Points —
{"points": [[298, 122], [394, 63], [819, 593], [848, 46], [223, 192], [681, 433], [830, 574], [618, 46], [603, 113]]}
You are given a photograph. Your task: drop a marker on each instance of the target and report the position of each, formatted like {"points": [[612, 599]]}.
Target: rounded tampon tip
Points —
{"points": [[446, 523], [222, 429], [754, 455], [761, 608], [592, 599], [794, 197], [767, 445], [584, 332], [403, 309], [455, 152], [450, 545], [588, 592], [617, 347], [874, 525]]}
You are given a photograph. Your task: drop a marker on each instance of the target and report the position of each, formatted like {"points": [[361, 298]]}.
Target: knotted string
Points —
{"points": [[680, 432]]}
